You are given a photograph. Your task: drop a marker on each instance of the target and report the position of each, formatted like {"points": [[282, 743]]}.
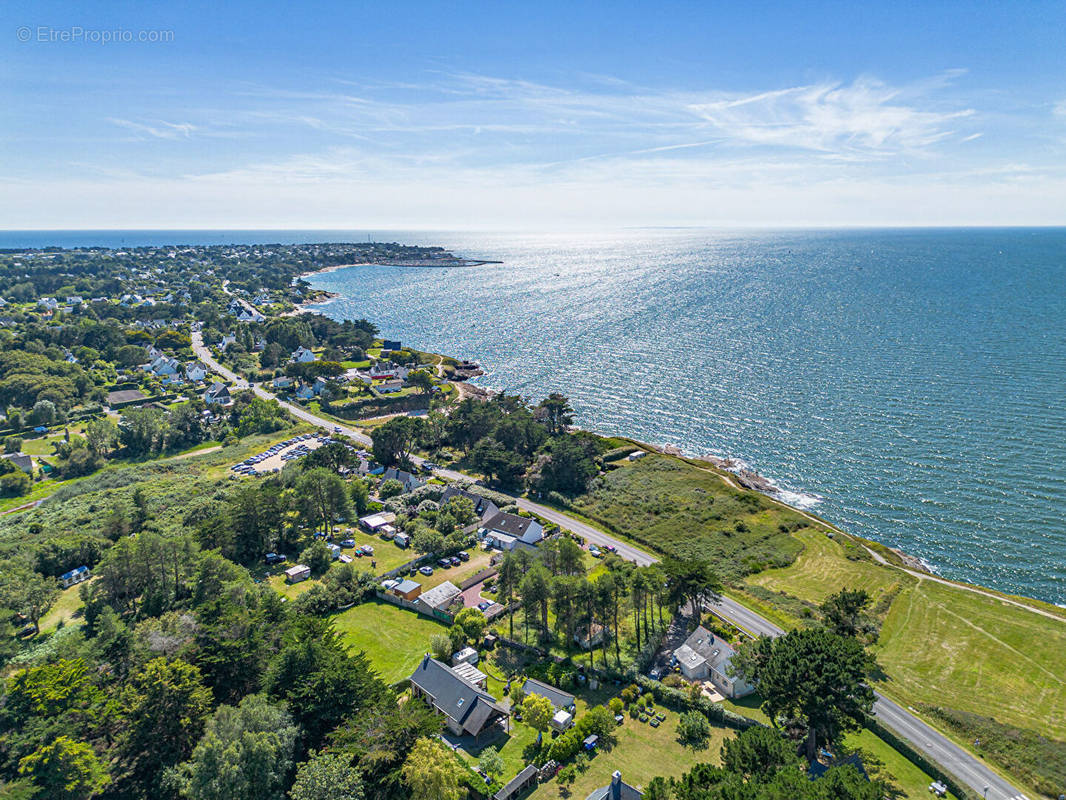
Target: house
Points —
{"points": [[375, 522], [637, 455], [20, 460], [483, 507], [249, 316], [409, 481], [617, 789], [301, 355], [281, 382], [48, 303], [559, 699], [164, 366], [436, 600], [195, 371], [389, 386], [389, 345], [218, 393], [301, 572], [705, 656], [76, 575], [505, 531], [381, 370], [467, 710], [154, 353], [227, 340], [407, 589], [402, 540], [305, 391], [74, 300]]}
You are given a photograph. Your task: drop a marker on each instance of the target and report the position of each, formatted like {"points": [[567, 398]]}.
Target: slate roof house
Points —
{"points": [[616, 790], [706, 656], [217, 393], [410, 482], [483, 507], [506, 531], [302, 355], [21, 460], [435, 601], [467, 710], [559, 699]]}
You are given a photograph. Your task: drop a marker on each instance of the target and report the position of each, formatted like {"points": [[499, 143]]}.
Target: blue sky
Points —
{"points": [[537, 115]]}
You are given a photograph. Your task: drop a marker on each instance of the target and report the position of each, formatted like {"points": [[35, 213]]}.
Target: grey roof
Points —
{"points": [[617, 789], [524, 778], [439, 596], [20, 460], [509, 523], [406, 586], [217, 389], [558, 698], [470, 707], [715, 650], [483, 507]]}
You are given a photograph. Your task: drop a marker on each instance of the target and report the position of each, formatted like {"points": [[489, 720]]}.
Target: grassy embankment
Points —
{"points": [[940, 645]]}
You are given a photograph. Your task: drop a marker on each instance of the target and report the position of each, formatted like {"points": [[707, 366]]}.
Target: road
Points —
{"points": [[937, 747]]}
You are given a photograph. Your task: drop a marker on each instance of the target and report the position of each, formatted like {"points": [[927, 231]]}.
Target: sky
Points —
{"points": [[502, 115]]}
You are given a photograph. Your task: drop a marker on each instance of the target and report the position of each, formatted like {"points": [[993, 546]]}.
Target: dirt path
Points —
{"points": [[206, 450]]}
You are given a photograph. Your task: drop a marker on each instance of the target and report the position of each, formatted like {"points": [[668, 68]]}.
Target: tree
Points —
{"points": [[390, 488], [166, 706], [421, 380], [432, 773], [817, 678], [758, 752], [317, 556], [360, 493], [556, 412], [394, 439], [500, 465], [65, 769], [441, 646], [472, 623], [535, 592], [491, 763], [844, 613], [323, 498], [12, 444], [28, 593], [245, 753], [327, 776], [15, 483], [537, 712], [693, 730], [691, 582], [43, 413], [750, 657], [427, 540]]}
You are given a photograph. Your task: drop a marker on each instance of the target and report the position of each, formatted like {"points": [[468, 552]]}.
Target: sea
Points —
{"points": [[908, 385]]}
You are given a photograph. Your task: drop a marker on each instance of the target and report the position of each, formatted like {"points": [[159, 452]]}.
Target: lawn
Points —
{"points": [[940, 644], [67, 604], [387, 555], [479, 560], [883, 762], [642, 753], [393, 638]]}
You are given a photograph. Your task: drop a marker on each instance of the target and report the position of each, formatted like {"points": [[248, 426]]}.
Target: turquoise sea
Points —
{"points": [[909, 385]]}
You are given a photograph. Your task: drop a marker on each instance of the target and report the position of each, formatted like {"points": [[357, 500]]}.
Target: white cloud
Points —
{"points": [[158, 130]]}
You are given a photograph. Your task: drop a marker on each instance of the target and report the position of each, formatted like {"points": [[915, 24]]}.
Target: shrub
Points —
{"points": [[693, 729], [390, 488]]}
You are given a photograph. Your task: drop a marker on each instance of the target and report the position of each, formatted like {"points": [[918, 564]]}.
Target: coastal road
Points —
{"points": [[937, 747]]}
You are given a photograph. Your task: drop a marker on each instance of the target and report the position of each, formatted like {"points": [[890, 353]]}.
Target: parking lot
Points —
{"points": [[274, 458]]}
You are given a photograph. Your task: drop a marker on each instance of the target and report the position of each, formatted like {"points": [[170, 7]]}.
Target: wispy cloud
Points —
{"points": [[157, 129]]}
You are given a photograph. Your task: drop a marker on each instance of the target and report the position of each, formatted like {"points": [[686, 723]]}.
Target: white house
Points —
{"points": [[75, 576], [301, 355], [48, 303], [386, 369], [506, 531], [705, 656], [281, 382], [195, 371], [218, 393]]}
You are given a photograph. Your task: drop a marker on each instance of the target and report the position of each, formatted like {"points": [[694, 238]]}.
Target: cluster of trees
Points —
{"points": [[27, 378], [554, 580], [505, 438], [760, 764]]}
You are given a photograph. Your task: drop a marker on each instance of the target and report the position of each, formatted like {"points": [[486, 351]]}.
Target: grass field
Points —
{"points": [[393, 638], [944, 645], [679, 509], [63, 610], [642, 753]]}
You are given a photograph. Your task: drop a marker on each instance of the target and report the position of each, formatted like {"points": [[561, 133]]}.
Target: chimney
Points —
{"points": [[616, 778]]}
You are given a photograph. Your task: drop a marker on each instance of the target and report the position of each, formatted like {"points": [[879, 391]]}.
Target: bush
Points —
{"points": [[15, 484], [317, 556], [693, 730], [390, 488], [12, 444]]}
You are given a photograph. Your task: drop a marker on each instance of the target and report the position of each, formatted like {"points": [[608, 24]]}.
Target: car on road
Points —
{"points": [[430, 465], [426, 570], [336, 429]]}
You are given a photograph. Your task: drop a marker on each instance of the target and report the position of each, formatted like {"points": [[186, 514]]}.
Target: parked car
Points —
{"points": [[464, 556], [483, 605], [275, 558], [426, 570], [348, 543], [367, 549], [444, 563], [454, 561]]}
